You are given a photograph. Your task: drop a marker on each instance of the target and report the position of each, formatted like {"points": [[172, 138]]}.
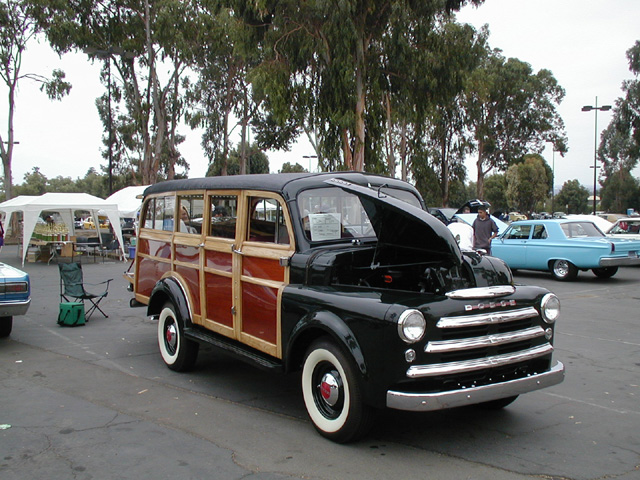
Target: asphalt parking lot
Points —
{"points": [[97, 402]]}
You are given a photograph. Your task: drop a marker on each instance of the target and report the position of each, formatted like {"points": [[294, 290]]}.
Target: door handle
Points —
{"points": [[234, 250]]}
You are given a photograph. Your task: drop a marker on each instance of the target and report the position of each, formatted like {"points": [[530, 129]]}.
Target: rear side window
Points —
{"points": [[159, 213], [224, 212]]}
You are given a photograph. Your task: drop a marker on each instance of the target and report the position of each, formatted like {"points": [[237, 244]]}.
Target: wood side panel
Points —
{"points": [[191, 277], [264, 268], [259, 312], [219, 299]]}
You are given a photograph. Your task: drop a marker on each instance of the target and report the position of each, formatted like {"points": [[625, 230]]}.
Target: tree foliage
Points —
{"points": [[17, 29], [573, 197], [328, 60], [136, 41], [527, 183], [512, 111]]}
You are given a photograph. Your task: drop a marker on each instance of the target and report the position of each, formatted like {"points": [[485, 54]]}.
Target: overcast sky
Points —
{"points": [[582, 42]]}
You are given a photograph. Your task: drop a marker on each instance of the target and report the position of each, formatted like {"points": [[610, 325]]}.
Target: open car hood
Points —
{"points": [[398, 223]]}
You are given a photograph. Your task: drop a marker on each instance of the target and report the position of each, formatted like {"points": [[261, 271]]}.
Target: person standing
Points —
{"points": [[484, 230]]}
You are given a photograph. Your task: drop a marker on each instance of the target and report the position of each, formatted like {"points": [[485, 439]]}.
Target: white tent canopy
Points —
{"points": [[63, 203], [128, 200]]}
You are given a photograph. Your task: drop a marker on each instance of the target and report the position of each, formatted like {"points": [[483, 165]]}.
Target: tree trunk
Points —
{"points": [[358, 154], [479, 163]]}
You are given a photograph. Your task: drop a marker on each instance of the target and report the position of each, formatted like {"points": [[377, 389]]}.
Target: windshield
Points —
{"points": [[581, 229], [331, 213]]}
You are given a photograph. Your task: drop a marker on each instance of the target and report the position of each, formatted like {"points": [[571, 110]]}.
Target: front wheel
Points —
{"points": [[605, 272], [332, 393], [6, 324], [178, 353], [564, 270]]}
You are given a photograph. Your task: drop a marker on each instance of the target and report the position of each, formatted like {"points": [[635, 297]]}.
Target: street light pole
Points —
{"points": [[588, 108]]}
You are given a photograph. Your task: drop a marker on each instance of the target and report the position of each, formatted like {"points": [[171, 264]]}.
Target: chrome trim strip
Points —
{"points": [[488, 318], [485, 341], [482, 292], [424, 402], [420, 371]]}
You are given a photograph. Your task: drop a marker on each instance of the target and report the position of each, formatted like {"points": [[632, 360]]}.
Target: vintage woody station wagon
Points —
{"points": [[345, 277]]}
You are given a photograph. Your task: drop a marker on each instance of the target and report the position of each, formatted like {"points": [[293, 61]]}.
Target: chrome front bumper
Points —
{"points": [[422, 402]]}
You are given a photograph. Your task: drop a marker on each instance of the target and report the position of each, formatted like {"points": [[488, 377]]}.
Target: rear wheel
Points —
{"points": [[6, 324], [178, 353], [564, 270], [605, 272], [332, 393]]}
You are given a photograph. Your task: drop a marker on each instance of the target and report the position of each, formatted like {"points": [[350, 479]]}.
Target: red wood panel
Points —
{"points": [[219, 260], [149, 272], [188, 254], [219, 298], [259, 311], [265, 268], [192, 278], [158, 248]]}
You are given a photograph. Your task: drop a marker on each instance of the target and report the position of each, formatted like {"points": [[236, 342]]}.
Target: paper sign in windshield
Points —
{"points": [[324, 226]]}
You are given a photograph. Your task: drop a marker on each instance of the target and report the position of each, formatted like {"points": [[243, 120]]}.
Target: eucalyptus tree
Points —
{"points": [[511, 111], [146, 47], [17, 29], [424, 73], [331, 53], [222, 98]]}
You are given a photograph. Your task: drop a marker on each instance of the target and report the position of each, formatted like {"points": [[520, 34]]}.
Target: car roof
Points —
{"points": [[288, 184]]}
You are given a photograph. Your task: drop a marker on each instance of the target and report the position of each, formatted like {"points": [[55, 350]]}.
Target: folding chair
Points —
{"points": [[72, 286]]}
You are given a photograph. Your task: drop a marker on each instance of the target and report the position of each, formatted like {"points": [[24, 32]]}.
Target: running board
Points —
{"points": [[242, 352]]}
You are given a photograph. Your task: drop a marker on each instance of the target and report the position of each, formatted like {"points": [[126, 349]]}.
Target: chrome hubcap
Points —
{"points": [[329, 389], [171, 337]]}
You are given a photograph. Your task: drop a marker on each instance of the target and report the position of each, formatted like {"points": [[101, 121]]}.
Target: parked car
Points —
{"points": [[515, 216], [89, 223], [444, 214], [15, 296], [625, 228], [348, 280], [563, 247]]}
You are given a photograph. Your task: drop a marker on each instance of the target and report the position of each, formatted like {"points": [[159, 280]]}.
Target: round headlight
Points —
{"points": [[550, 308], [411, 326]]}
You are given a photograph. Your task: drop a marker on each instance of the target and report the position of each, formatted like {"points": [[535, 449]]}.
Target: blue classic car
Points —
{"points": [[563, 247], [15, 296]]}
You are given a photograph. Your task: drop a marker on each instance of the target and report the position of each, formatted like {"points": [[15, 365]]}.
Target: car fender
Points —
{"points": [[317, 324], [170, 288]]}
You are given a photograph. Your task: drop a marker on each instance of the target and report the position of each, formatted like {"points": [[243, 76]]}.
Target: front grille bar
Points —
{"points": [[443, 346], [488, 318], [420, 371]]}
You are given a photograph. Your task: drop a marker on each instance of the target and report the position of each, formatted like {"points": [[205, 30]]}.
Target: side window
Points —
{"points": [[266, 221], [159, 214], [519, 232], [191, 210], [224, 211], [150, 213], [539, 232]]}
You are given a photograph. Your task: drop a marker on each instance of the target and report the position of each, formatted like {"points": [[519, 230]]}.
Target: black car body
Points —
{"points": [[377, 305]]}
